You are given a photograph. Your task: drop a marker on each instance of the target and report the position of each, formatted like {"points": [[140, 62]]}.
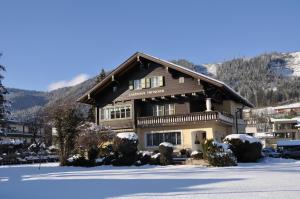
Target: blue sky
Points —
{"points": [[52, 42]]}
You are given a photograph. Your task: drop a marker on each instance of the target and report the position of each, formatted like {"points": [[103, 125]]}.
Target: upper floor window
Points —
{"points": [[181, 80], [157, 81], [118, 112], [137, 84], [151, 82], [161, 110]]}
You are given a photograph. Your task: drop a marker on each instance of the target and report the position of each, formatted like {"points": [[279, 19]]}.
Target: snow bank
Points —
{"points": [[166, 144], [243, 138], [128, 135]]}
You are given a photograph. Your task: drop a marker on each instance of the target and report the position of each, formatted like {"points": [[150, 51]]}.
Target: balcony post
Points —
{"points": [[208, 104]]}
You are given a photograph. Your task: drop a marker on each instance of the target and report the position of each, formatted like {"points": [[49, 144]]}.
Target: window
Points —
{"points": [[181, 80], [170, 109], [161, 110], [137, 84], [157, 81], [154, 139], [118, 112], [154, 82], [158, 110], [148, 83]]}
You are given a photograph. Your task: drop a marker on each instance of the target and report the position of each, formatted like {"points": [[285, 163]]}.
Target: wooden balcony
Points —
{"points": [[183, 119]]}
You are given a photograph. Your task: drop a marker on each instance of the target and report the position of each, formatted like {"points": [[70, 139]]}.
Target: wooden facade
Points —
{"points": [[161, 101]]}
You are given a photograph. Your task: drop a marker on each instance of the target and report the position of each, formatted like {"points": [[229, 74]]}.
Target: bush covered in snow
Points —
{"points": [[166, 152], [185, 153], [143, 157], [155, 159], [246, 148], [78, 161], [197, 155], [219, 154], [125, 148]]}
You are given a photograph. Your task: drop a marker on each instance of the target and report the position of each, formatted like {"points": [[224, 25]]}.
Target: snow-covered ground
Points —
{"points": [[272, 178]]}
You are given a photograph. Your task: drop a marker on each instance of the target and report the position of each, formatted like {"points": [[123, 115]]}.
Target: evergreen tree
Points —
{"points": [[3, 92], [101, 76]]}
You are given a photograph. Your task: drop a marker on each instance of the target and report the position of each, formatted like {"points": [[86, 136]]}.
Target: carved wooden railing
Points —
{"points": [[183, 118]]}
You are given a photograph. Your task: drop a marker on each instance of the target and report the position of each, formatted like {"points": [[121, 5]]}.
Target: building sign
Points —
{"points": [[143, 93]]}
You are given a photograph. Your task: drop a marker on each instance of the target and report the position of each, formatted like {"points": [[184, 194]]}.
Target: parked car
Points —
{"points": [[270, 152]]}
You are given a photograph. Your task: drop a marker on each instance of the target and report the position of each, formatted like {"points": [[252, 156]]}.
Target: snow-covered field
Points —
{"points": [[270, 179]]}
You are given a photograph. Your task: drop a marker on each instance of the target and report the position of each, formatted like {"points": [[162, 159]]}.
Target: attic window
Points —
{"points": [[181, 80]]}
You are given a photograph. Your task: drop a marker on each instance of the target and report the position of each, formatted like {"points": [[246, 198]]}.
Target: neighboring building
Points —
{"points": [[18, 131], [165, 102], [273, 124]]}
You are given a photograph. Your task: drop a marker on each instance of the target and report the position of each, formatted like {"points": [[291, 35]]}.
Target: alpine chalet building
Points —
{"points": [[164, 102]]}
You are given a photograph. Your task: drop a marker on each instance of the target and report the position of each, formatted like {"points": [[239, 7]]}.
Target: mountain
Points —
{"points": [[26, 102], [267, 79]]}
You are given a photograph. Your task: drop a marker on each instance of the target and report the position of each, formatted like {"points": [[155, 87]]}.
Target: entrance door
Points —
{"points": [[198, 138]]}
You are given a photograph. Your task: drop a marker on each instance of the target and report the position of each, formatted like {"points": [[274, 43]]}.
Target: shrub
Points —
{"points": [[92, 154], [79, 161], [244, 147], [155, 159], [105, 149], [197, 155], [125, 148], [144, 157], [219, 154], [185, 152], [166, 152]]}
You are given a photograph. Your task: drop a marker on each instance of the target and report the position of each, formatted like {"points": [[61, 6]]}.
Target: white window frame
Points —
{"points": [[167, 131], [137, 84], [181, 80], [107, 110]]}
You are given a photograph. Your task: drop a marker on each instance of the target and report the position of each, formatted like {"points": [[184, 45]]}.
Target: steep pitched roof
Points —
{"points": [[134, 57]]}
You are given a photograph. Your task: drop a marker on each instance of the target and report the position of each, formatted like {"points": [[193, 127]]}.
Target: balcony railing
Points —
{"points": [[182, 119]]}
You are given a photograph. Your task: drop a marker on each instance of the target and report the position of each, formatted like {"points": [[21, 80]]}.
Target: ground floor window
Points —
{"points": [[154, 139]]}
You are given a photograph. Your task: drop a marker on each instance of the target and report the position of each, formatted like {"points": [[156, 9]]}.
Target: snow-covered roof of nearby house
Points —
{"points": [[288, 106], [243, 137], [286, 120], [288, 143]]}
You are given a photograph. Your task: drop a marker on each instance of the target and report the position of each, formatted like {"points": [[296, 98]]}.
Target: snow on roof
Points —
{"points": [[294, 105], [294, 119], [243, 137], [166, 144], [128, 135], [288, 143]]}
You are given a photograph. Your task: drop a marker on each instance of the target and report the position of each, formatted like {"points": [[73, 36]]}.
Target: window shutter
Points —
{"points": [[148, 82], [130, 85], [161, 81], [143, 83]]}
